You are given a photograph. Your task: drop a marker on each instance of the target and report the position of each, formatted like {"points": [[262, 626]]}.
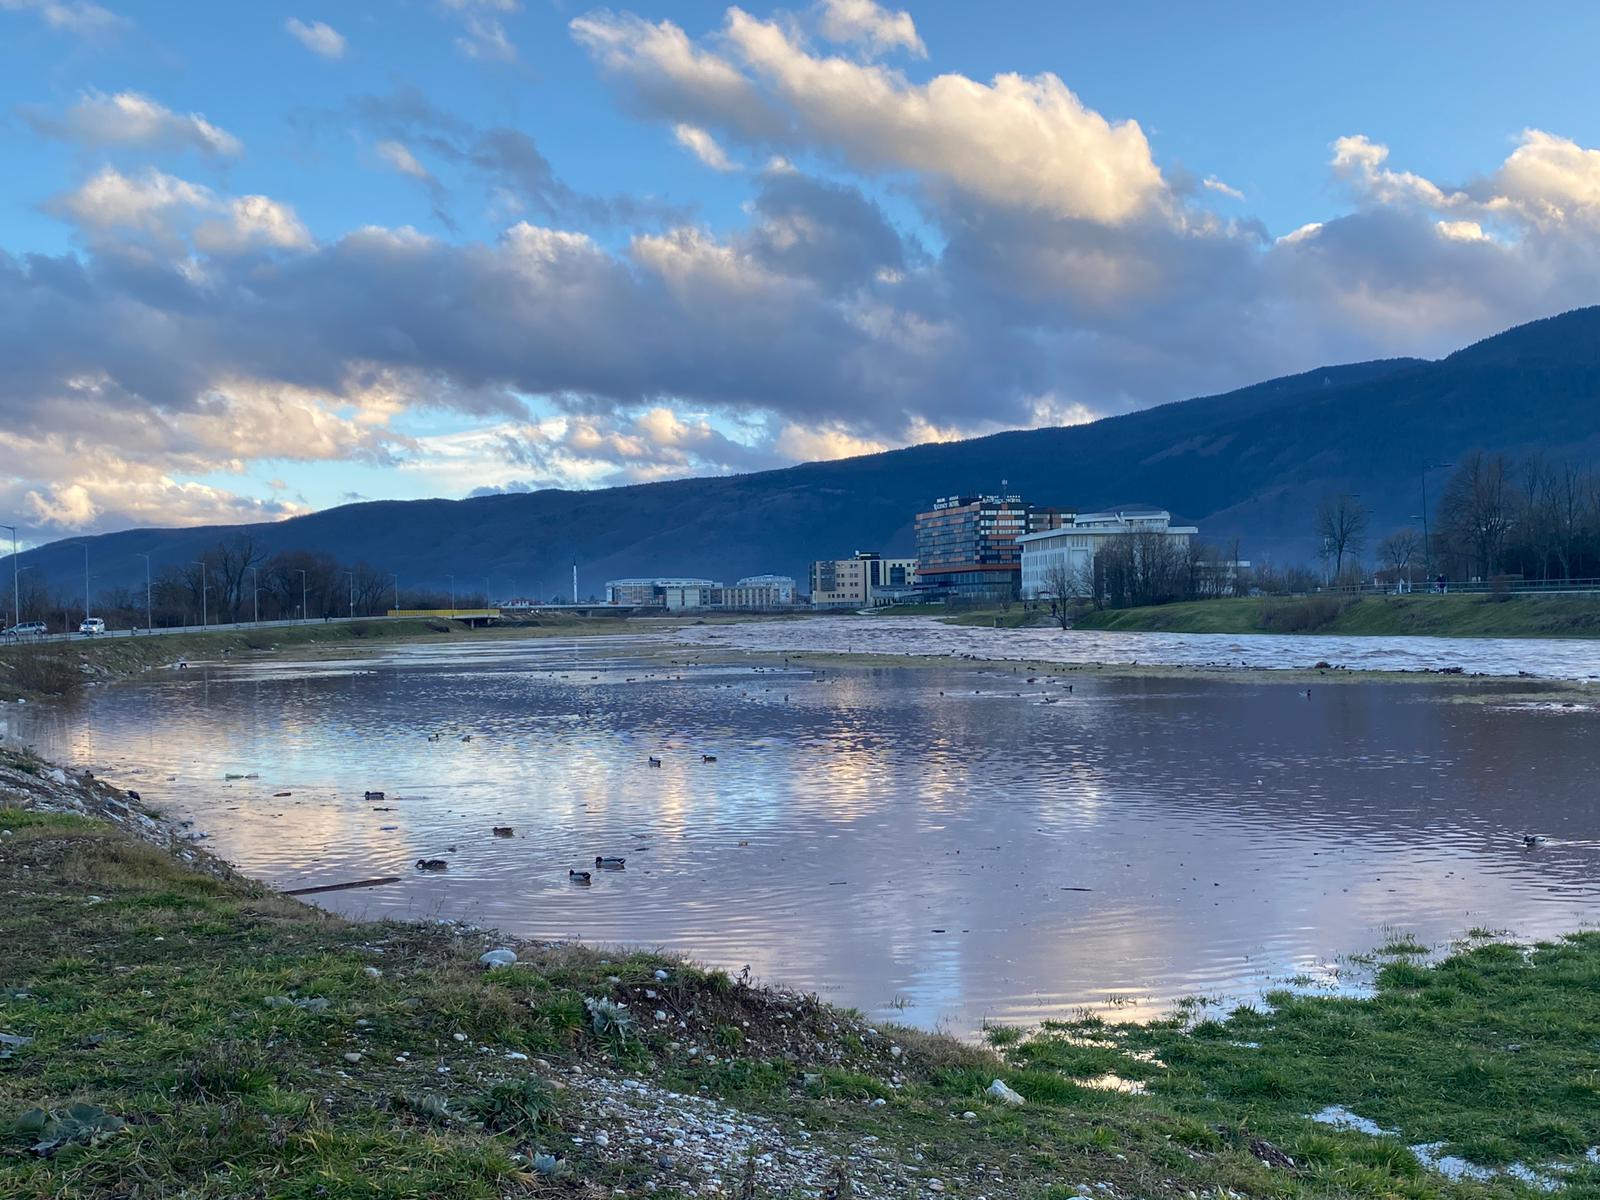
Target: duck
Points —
{"points": [[1530, 840], [609, 862], [131, 794], [432, 864], [466, 737], [578, 876], [372, 796], [653, 761], [502, 831], [434, 737], [705, 758]]}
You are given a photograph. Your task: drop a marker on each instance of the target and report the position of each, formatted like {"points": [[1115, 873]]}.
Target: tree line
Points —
{"points": [[1497, 517], [234, 581]]}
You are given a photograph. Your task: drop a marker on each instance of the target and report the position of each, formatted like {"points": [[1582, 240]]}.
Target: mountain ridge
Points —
{"points": [[1250, 464]]}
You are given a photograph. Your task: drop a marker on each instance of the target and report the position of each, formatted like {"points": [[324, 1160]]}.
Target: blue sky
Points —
{"points": [[258, 258]]}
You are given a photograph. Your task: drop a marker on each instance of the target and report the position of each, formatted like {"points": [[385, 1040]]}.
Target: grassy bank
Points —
{"points": [[226, 1041], [1391, 616]]}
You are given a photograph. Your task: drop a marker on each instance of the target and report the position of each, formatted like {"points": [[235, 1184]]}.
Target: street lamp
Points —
{"points": [[1427, 550], [202, 564], [352, 575], [149, 622], [255, 597], [452, 595], [396, 579], [303, 615], [16, 575], [85, 546]]}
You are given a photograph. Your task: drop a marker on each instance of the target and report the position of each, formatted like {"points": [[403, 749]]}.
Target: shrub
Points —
{"points": [[43, 671], [1305, 615]]}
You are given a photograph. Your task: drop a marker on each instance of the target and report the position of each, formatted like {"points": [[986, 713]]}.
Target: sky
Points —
{"points": [[259, 259]]}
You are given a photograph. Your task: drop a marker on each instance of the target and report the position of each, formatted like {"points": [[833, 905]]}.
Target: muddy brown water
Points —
{"points": [[935, 846]]}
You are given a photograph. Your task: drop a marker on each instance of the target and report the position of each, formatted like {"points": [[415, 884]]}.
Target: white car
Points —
{"points": [[92, 625]]}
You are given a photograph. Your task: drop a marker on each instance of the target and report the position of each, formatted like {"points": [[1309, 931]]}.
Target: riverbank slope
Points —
{"points": [[170, 1025], [1376, 616]]}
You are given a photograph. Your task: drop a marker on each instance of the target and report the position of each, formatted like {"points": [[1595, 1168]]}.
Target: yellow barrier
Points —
{"points": [[476, 613]]}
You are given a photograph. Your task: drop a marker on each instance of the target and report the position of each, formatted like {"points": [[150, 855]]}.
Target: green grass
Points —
{"points": [[1391, 616], [167, 997]]}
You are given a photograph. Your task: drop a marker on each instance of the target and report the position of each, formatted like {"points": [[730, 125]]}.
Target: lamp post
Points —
{"points": [[16, 575], [149, 622], [1427, 549], [452, 595], [352, 575], [255, 597], [396, 579], [85, 546], [202, 565]]}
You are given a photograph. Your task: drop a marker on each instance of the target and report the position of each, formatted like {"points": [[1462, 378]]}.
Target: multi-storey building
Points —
{"points": [[967, 545], [642, 593], [1060, 560], [859, 581]]}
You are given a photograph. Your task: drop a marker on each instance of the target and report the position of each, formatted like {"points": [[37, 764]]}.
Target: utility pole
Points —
{"points": [[202, 564], [255, 597], [1427, 552], [452, 595], [396, 579], [149, 624], [85, 546], [574, 581], [352, 575], [302, 594], [16, 575]]}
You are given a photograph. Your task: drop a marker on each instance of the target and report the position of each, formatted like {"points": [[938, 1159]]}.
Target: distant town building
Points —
{"points": [[967, 545], [643, 593], [761, 591], [1065, 553], [690, 595], [861, 581]]}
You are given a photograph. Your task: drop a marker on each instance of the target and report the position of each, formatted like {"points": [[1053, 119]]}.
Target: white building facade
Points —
{"points": [[1066, 554]]}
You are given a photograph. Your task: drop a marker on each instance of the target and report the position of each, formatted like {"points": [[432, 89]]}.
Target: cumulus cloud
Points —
{"points": [[872, 25], [130, 120], [398, 156], [703, 146], [165, 210], [1016, 141], [318, 37]]}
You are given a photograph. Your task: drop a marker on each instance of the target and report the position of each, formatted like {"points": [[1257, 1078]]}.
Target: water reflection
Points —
{"points": [[943, 836]]}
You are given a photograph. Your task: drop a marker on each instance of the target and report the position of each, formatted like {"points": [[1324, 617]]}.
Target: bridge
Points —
{"points": [[468, 616]]}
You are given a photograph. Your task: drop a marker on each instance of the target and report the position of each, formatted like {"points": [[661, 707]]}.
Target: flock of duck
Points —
{"points": [[602, 862]]}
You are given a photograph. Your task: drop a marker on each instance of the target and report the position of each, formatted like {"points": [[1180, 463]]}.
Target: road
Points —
{"points": [[213, 628]]}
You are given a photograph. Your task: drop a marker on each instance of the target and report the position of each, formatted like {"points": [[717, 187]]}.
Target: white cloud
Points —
{"points": [[870, 23], [1549, 180], [399, 156], [1212, 184], [318, 37], [703, 146], [130, 120], [485, 35], [1461, 231], [1022, 142], [78, 17], [252, 223]]}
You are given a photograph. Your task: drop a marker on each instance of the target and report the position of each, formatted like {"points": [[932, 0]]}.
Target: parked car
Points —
{"points": [[92, 625], [27, 629]]}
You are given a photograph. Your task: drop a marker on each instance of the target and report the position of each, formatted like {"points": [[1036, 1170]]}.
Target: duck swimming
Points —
{"points": [[578, 876], [708, 758], [1533, 839], [372, 796], [432, 864], [502, 831], [609, 862], [653, 761]]}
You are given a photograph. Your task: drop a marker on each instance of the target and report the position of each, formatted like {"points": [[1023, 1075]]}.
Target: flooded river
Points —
{"points": [[939, 846]]}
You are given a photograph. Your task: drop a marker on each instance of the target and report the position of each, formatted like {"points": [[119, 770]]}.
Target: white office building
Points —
{"points": [[1067, 553]]}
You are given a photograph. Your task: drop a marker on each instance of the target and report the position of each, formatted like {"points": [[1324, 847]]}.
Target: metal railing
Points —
{"points": [[1452, 587]]}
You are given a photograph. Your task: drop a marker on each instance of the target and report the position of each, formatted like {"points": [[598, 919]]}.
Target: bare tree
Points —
{"points": [[1399, 550], [1060, 583], [1478, 509], [1341, 528]]}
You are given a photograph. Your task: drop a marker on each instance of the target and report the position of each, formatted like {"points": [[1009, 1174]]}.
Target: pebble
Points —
{"points": [[372, 972], [500, 957], [352, 1057]]}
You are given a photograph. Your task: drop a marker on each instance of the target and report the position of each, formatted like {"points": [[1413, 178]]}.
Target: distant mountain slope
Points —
{"points": [[1251, 463]]}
